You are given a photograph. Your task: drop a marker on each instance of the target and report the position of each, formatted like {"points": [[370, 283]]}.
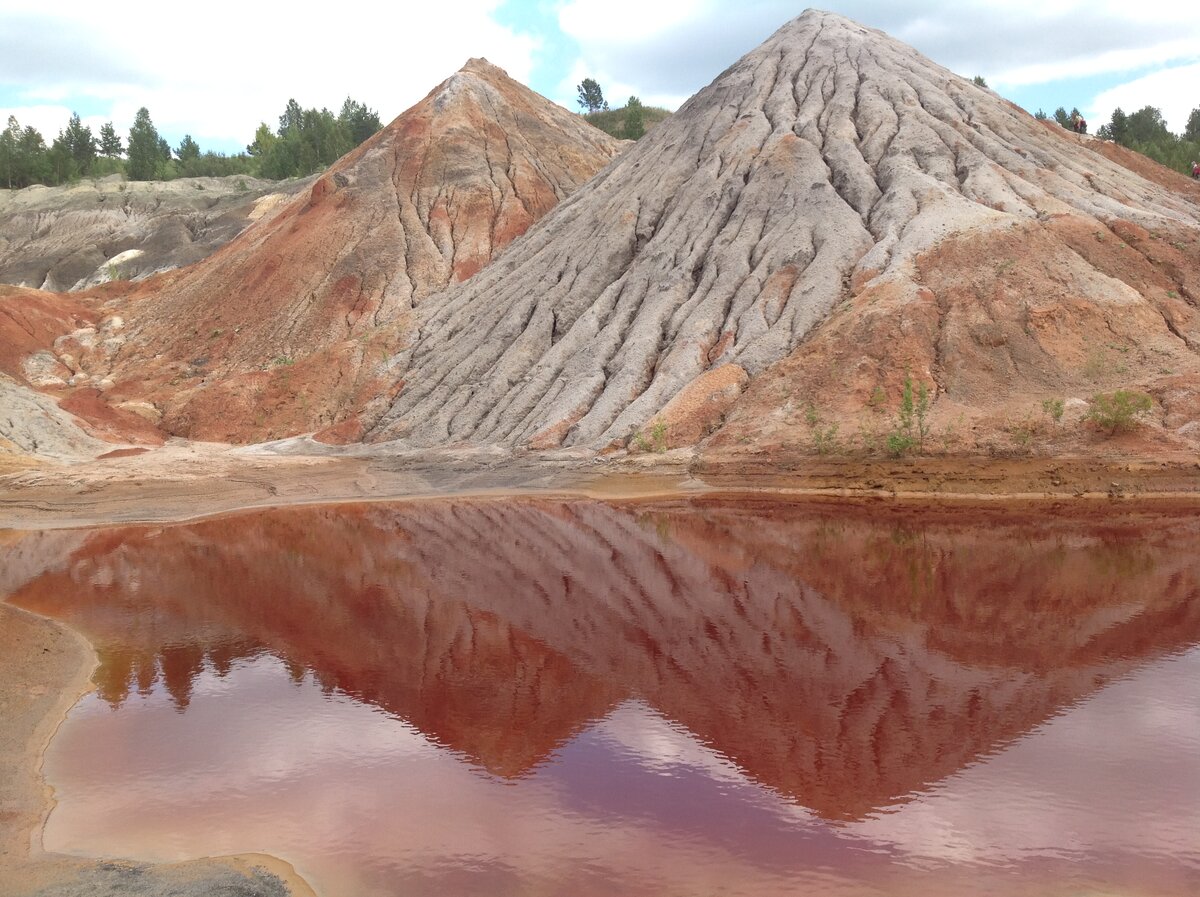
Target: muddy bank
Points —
{"points": [[182, 481], [44, 669]]}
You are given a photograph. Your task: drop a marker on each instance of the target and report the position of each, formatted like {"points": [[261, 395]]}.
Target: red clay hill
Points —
{"points": [[271, 334]]}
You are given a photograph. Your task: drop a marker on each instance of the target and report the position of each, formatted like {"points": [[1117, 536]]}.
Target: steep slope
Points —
{"points": [[268, 336], [71, 237], [833, 195]]}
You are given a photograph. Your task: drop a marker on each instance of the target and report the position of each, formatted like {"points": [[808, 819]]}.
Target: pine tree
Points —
{"points": [[10, 148], [359, 121], [591, 97], [110, 143], [635, 123], [144, 152], [188, 150], [79, 144], [1191, 130]]}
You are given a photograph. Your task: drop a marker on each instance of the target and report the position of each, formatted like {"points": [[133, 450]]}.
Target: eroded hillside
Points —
{"points": [[283, 330], [832, 212], [76, 236]]}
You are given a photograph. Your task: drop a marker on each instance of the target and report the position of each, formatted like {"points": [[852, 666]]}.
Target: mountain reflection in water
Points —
{"points": [[705, 697]]}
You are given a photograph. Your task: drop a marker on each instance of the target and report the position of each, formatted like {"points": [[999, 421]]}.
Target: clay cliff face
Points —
{"points": [[282, 328], [501, 629], [73, 237], [833, 211]]}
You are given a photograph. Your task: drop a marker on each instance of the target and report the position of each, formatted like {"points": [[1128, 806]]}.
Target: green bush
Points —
{"points": [[1053, 408], [912, 424], [656, 441], [824, 436], [1118, 412]]}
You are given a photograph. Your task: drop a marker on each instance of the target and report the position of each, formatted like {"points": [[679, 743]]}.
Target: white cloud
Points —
{"points": [[48, 119], [219, 74], [1019, 43], [1124, 60], [616, 90], [1172, 90], [627, 20]]}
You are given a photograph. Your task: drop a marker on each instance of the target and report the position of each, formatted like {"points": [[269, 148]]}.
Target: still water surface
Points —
{"points": [[716, 697]]}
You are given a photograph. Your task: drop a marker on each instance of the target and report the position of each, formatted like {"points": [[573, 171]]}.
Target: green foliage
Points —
{"points": [[911, 426], [824, 436], [1146, 132], [1118, 412], [591, 97], [1191, 131], [77, 142], [144, 150], [188, 149], [359, 121], [655, 440], [309, 140], [635, 123], [1053, 408], [613, 121], [979, 81], [110, 144], [1041, 115]]}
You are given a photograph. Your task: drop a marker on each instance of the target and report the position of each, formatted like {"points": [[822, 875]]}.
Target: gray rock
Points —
{"points": [[33, 423], [79, 235]]}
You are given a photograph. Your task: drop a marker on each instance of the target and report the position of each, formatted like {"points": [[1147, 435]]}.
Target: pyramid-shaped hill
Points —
{"points": [[832, 212], [424, 203]]}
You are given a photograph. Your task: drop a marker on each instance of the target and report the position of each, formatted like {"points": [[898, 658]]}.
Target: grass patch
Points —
{"points": [[612, 121]]}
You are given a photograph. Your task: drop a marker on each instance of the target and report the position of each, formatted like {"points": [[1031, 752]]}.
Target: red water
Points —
{"points": [[488, 698]]}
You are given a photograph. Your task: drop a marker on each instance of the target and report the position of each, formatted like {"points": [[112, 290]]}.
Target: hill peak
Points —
{"points": [[480, 66], [830, 163]]}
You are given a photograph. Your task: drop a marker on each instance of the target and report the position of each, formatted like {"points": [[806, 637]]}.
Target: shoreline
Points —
{"points": [[48, 668], [188, 483]]}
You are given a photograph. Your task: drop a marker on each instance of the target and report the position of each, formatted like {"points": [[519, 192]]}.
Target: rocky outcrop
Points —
{"points": [[830, 212], [33, 424], [79, 235]]}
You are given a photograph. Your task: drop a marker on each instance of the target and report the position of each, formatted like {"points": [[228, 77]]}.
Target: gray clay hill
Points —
{"points": [[801, 200]]}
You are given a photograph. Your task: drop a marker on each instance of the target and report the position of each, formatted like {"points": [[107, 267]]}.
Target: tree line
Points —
{"points": [[306, 141], [1146, 132]]}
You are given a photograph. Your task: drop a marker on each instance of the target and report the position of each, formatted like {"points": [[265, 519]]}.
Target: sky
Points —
{"points": [[218, 69]]}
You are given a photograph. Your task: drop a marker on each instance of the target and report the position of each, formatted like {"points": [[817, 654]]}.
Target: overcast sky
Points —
{"points": [[217, 69]]}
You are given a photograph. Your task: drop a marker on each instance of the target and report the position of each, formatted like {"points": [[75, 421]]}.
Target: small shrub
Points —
{"points": [[912, 421], [899, 444], [1118, 412], [824, 436], [658, 435], [1053, 409], [656, 441]]}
